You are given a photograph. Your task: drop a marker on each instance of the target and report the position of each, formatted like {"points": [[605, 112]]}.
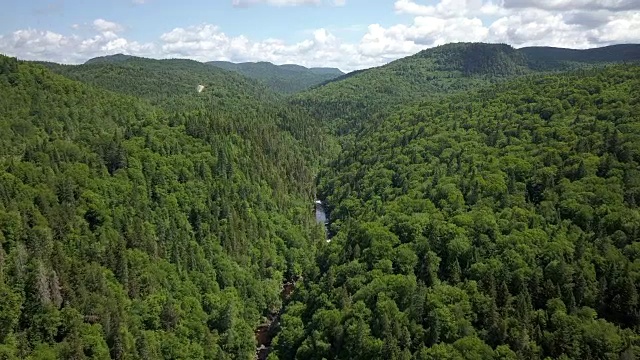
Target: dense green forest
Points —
{"points": [[171, 85], [483, 204], [549, 58], [285, 79], [347, 102], [133, 232], [498, 224]]}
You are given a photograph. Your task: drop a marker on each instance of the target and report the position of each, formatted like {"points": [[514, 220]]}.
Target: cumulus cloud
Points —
{"points": [[449, 8], [537, 28], [520, 23], [587, 19], [104, 25], [567, 5], [207, 42], [623, 28], [34, 44], [563, 23]]}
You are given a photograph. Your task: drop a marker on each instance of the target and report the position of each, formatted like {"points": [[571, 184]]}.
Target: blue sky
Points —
{"points": [[349, 34], [144, 21]]}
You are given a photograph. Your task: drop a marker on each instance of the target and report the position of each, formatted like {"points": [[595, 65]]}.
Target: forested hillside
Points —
{"points": [[285, 79], [109, 59], [497, 224], [550, 58], [171, 85], [131, 231], [344, 103]]}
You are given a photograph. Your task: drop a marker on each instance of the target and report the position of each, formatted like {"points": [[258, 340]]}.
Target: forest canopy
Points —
{"points": [[502, 223], [130, 231], [482, 201]]}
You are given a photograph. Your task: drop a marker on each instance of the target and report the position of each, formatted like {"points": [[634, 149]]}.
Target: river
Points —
{"points": [[321, 217], [266, 332]]}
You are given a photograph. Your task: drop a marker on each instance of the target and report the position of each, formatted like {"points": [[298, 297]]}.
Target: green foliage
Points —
{"points": [[285, 79], [170, 84], [363, 98], [474, 215], [548, 58], [130, 231], [498, 224], [227, 101]]}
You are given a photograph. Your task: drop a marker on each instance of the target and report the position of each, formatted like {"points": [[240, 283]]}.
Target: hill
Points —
{"points": [[171, 85], [109, 59], [348, 100], [285, 79], [500, 223], [550, 58], [167, 83], [132, 231]]}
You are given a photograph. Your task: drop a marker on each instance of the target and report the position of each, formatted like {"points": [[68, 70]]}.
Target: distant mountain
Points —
{"points": [[169, 83], [355, 97], [285, 79], [551, 58], [476, 59], [109, 59]]}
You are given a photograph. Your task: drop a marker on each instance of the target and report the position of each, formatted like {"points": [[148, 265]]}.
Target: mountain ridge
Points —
{"points": [[286, 78], [165, 82], [630, 52], [292, 67], [441, 70]]}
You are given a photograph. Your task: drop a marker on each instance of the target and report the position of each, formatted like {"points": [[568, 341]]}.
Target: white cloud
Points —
{"points": [[34, 44], [563, 23], [516, 22], [537, 27], [566, 5], [624, 28], [450, 8], [207, 42], [104, 25]]}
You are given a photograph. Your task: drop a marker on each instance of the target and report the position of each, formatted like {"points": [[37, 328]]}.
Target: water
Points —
{"points": [[321, 217]]}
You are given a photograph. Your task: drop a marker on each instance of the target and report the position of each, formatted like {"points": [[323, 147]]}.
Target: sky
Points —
{"points": [[347, 34]]}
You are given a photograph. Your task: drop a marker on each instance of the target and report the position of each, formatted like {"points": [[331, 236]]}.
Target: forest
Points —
{"points": [[483, 204], [498, 224], [285, 79], [135, 232]]}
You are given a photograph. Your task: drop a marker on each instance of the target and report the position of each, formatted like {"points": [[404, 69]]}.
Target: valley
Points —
{"points": [[477, 202]]}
